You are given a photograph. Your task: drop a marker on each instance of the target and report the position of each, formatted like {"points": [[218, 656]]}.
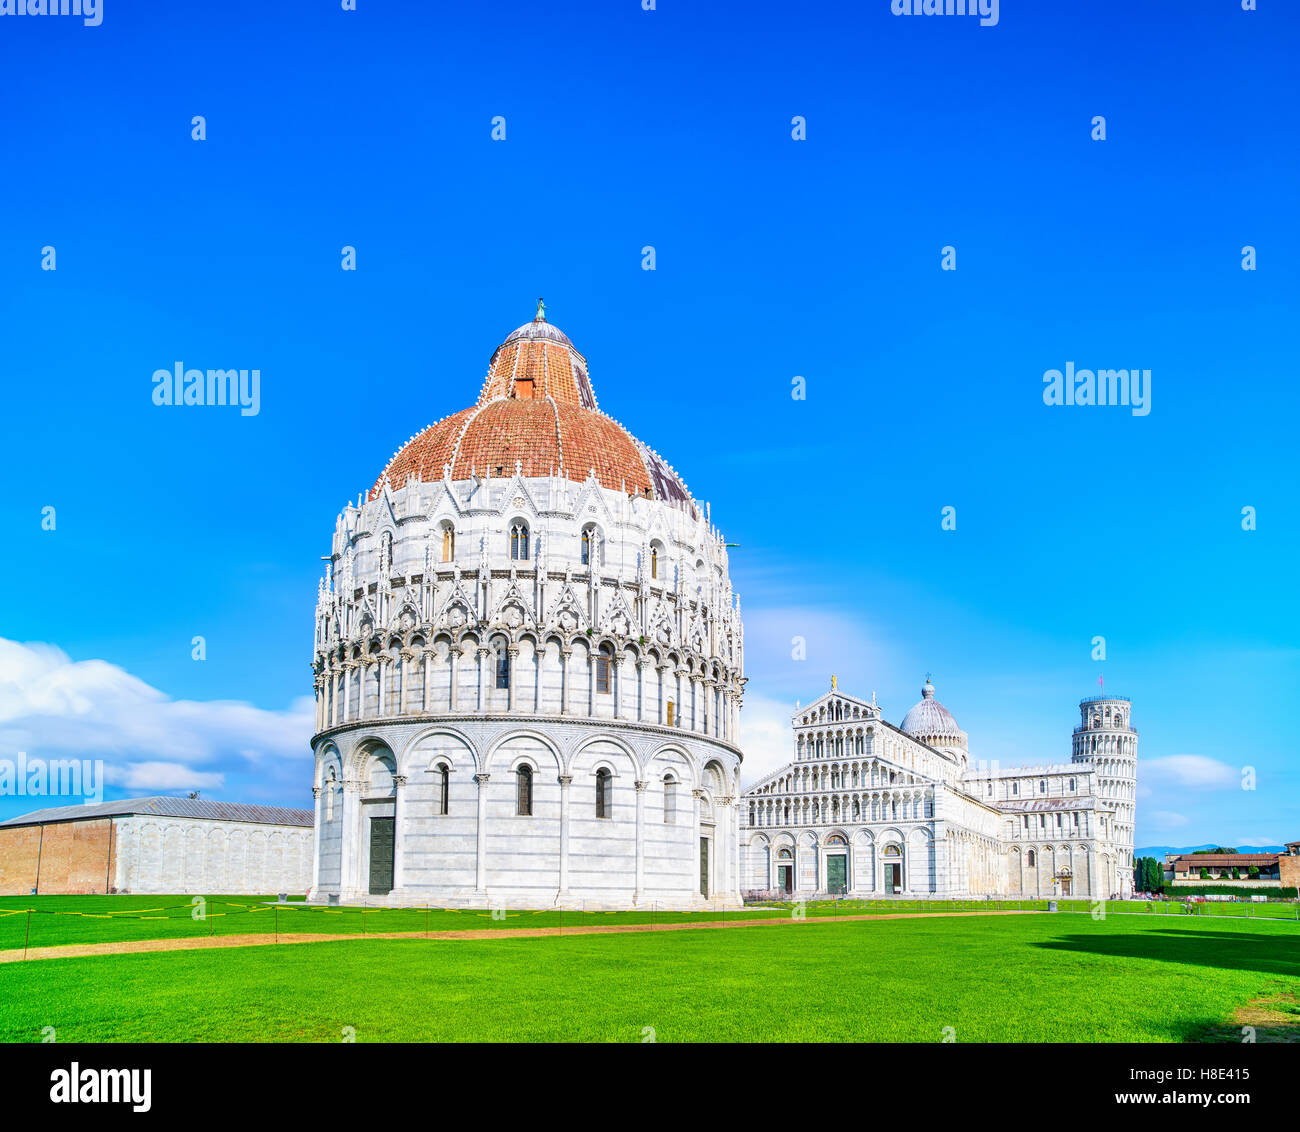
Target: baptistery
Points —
{"points": [[528, 664]]}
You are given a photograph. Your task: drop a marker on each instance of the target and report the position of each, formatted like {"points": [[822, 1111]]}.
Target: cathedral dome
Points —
{"points": [[933, 723], [536, 410]]}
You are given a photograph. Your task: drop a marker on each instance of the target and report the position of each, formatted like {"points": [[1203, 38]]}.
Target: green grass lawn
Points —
{"points": [[1051, 978], [59, 920]]}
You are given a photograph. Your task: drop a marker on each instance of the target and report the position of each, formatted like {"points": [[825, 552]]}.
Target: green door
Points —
{"points": [[837, 874], [704, 866], [381, 856]]}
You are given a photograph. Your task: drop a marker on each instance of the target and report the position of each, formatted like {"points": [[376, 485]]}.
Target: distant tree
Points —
{"points": [[1216, 849], [1253, 872], [1155, 875], [1147, 874], [1205, 874]]}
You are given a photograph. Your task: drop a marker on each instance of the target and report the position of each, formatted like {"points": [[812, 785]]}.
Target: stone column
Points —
{"points": [[350, 837], [453, 659], [640, 689], [348, 668], [512, 654], [381, 699], [640, 839], [616, 681], [483, 654], [363, 677], [480, 863], [428, 677], [662, 669], [399, 831], [722, 843], [566, 780], [315, 845], [407, 656], [591, 682], [698, 796], [565, 655]]}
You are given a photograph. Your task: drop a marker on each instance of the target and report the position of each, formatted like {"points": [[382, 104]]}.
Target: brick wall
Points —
{"points": [[18, 850], [73, 858], [1290, 870]]}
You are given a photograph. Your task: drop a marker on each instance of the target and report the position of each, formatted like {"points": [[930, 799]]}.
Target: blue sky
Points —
{"points": [[775, 258]]}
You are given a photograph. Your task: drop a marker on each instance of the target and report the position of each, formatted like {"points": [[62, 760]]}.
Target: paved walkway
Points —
{"points": [[264, 939]]}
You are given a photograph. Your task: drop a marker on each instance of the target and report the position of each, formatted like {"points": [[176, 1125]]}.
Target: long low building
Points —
{"points": [[1270, 869], [161, 844]]}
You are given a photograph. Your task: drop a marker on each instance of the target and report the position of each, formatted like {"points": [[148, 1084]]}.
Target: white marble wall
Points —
{"points": [[201, 856]]}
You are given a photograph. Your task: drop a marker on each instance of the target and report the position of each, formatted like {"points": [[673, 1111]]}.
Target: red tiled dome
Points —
{"points": [[537, 409]]}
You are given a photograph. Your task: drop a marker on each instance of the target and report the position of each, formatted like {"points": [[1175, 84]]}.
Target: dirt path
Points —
{"points": [[261, 939]]}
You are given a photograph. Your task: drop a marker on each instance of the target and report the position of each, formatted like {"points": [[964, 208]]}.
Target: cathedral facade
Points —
{"points": [[528, 664], [872, 809]]}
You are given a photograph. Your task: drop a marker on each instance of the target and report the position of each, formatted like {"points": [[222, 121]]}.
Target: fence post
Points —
{"points": [[277, 923], [28, 936]]}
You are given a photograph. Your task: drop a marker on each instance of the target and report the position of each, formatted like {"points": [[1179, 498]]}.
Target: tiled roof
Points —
{"points": [[169, 808], [536, 409], [1220, 860]]}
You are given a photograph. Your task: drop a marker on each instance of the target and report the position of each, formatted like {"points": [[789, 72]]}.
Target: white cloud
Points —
{"points": [[1192, 772], [1166, 820], [149, 777], [52, 706]]}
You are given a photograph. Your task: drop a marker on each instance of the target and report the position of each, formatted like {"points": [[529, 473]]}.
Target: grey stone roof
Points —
{"points": [[165, 807], [929, 718]]}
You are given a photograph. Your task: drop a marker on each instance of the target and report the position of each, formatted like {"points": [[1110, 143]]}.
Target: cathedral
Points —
{"points": [[870, 809], [529, 667], [528, 664]]}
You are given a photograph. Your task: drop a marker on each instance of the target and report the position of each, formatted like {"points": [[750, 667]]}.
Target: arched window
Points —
{"points": [[503, 667], [441, 782], [603, 680], [604, 793], [654, 561], [670, 802], [524, 791], [1031, 859], [670, 713], [593, 546], [330, 785], [386, 552], [519, 541], [448, 542], [1042, 786]]}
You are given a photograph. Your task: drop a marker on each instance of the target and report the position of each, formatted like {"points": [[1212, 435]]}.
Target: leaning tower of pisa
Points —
{"points": [[1106, 739]]}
